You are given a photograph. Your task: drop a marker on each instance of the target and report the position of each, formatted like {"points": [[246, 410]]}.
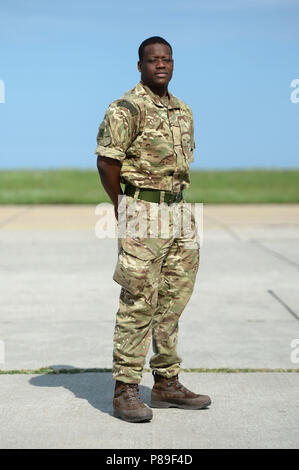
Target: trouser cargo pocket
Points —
{"points": [[137, 275], [131, 273]]}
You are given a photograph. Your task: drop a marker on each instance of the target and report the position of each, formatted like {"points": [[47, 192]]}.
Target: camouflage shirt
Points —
{"points": [[152, 137]]}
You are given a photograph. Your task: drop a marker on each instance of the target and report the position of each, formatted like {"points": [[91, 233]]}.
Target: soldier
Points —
{"points": [[146, 142]]}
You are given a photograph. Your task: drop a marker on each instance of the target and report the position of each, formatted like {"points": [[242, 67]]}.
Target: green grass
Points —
{"points": [[71, 186], [247, 186], [50, 370], [51, 187]]}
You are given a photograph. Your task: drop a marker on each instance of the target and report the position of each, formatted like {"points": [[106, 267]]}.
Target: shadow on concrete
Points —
{"points": [[95, 387]]}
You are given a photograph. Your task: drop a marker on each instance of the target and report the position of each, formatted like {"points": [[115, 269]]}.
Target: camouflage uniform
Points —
{"points": [[153, 138]]}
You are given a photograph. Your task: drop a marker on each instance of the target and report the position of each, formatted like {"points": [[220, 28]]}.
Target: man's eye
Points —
{"points": [[151, 61]]}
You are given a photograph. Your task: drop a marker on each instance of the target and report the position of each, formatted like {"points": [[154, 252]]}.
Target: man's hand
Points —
{"points": [[109, 171]]}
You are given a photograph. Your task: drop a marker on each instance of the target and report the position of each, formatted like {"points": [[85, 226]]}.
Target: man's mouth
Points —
{"points": [[161, 74]]}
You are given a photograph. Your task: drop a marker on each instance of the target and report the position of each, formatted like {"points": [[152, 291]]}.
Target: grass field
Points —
{"points": [[71, 186]]}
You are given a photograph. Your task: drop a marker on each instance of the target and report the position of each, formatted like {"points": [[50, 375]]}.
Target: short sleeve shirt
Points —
{"points": [[152, 137]]}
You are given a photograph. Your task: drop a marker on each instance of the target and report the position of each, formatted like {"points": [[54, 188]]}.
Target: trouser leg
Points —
{"points": [[138, 299], [131, 339], [175, 289]]}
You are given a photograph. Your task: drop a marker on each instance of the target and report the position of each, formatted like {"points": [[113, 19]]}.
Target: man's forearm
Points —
{"points": [[109, 171]]}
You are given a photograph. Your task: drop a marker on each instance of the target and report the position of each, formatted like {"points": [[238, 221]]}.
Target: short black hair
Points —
{"points": [[152, 40]]}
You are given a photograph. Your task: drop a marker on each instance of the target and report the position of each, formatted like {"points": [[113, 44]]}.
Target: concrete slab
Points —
{"points": [[58, 300], [253, 214], [48, 217], [251, 411]]}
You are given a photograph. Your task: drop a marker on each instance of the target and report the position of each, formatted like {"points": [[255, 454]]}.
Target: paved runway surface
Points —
{"points": [[58, 303]]}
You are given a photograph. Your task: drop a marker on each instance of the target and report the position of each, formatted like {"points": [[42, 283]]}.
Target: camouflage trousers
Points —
{"points": [[157, 276]]}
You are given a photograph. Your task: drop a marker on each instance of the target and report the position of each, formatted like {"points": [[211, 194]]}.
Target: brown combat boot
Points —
{"points": [[167, 393], [127, 403]]}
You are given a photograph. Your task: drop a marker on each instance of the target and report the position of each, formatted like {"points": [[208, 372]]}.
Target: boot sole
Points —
{"points": [[136, 419], [166, 404]]}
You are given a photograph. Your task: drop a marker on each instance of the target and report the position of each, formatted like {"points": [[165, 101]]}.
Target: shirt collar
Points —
{"points": [[144, 90]]}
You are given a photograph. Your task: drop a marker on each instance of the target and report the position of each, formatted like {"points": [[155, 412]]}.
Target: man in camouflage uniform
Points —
{"points": [[146, 142]]}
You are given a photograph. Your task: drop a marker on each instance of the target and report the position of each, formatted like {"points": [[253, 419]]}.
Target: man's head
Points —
{"points": [[155, 63]]}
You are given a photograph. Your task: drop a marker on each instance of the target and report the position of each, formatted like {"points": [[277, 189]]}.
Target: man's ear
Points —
{"points": [[139, 65]]}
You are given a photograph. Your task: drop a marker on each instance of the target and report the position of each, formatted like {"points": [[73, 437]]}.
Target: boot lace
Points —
{"points": [[175, 381], [132, 394]]}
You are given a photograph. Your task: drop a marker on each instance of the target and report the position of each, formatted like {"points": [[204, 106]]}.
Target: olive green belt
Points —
{"points": [[153, 195]]}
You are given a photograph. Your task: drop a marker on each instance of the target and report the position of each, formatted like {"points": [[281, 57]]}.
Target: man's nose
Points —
{"points": [[160, 64]]}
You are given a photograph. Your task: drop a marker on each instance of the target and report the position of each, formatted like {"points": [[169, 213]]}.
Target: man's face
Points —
{"points": [[156, 66]]}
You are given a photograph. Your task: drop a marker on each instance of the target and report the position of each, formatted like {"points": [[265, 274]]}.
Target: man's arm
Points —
{"points": [[109, 171], [116, 133]]}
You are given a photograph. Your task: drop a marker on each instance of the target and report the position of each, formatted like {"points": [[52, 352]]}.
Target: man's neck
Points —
{"points": [[157, 91]]}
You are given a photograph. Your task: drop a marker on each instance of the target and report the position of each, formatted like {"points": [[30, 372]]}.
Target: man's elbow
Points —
{"points": [[100, 164], [105, 163]]}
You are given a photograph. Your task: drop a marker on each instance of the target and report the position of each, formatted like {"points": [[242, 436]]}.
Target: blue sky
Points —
{"points": [[62, 62]]}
